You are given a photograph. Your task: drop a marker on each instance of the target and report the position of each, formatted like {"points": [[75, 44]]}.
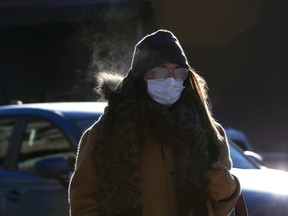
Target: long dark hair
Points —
{"points": [[201, 88]]}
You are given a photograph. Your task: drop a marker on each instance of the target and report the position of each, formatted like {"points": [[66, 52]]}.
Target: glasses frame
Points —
{"points": [[180, 73]]}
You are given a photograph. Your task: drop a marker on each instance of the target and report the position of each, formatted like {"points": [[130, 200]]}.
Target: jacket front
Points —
{"points": [[157, 172]]}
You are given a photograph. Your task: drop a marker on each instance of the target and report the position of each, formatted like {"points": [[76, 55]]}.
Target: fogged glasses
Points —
{"points": [[163, 73]]}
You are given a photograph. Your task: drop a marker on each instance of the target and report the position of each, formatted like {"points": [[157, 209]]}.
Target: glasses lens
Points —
{"points": [[163, 73], [180, 73], [160, 73]]}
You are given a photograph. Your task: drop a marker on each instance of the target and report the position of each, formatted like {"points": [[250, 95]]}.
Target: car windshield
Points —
{"points": [[239, 159]]}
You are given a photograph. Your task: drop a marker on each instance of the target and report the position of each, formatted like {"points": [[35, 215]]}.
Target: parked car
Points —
{"points": [[38, 143], [263, 188], [276, 160], [37, 153], [240, 138]]}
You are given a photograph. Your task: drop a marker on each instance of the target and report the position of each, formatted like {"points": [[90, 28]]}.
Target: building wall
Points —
{"points": [[57, 60]]}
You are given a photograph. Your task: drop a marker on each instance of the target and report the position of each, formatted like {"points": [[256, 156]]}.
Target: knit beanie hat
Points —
{"points": [[156, 49]]}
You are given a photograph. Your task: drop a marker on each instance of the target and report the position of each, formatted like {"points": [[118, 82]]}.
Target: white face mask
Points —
{"points": [[165, 91]]}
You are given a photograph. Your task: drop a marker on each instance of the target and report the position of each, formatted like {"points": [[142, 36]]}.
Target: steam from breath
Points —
{"points": [[111, 42]]}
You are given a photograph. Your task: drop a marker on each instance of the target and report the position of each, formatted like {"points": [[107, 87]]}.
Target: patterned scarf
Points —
{"points": [[119, 142]]}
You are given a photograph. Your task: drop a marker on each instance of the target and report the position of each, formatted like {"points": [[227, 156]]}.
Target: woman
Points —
{"points": [[156, 150]]}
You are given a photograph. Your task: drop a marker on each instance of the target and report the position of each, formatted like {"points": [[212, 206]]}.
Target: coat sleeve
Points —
{"points": [[224, 207], [224, 151], [83, 184]]}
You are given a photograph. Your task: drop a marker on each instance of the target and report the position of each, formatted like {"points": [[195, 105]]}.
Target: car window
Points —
{"points": [[41, 139], [240, 160], [6, 128]]}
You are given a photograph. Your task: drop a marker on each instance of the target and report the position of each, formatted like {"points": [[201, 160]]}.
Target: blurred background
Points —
{"points": [[52, 50]]}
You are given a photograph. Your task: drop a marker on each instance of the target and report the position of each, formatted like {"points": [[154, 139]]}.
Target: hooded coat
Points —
{"points": [[128, 163]]}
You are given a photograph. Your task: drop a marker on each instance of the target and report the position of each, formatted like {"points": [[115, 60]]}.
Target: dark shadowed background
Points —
{"points": [[51, 50]]}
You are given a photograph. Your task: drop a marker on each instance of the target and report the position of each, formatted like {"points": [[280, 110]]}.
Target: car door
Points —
{"points": [[7, 126], [25, 190]]}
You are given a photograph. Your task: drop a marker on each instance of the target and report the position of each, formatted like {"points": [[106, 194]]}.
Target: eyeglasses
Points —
{"points": [[163, 73]]}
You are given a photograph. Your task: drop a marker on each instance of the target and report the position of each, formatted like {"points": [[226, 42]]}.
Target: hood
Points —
{"points": [[156, 49], [106, 83], [153, 50]]}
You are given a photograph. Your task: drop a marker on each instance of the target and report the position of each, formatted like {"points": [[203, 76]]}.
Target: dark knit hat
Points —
{"points": [[155, 49]]}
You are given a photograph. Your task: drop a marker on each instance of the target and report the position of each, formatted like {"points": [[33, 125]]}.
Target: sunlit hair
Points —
{"points": [[200, 86]]}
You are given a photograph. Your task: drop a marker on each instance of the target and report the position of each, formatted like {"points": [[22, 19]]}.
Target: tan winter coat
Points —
{"points": [[157, 173]]}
